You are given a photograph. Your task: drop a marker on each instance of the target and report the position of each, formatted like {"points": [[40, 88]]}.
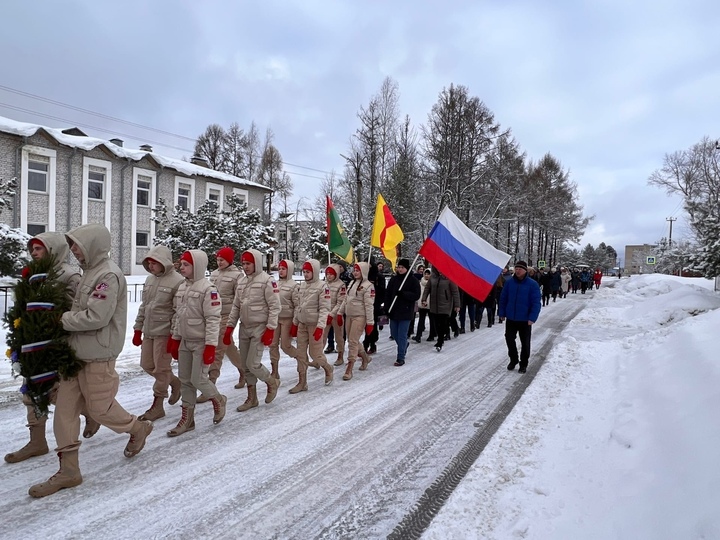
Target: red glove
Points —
{"points": [[329, 320], [227, 338], [317, 334], [209, 354], [293, 330], [26, 272], [339, 320], [137, 338], [368, 329], [267, 336], [173, 347]]}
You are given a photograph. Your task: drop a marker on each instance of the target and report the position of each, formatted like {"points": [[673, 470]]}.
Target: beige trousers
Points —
{"points": [[157, 363]]}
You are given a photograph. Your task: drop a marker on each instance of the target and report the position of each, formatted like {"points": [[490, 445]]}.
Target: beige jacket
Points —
{"points": [[56, 244], [156, 310], [226, 282], [98, 318], [313, 302], [288, 292], [338, 290], [257, 298], [197, 305], [360, 297]]}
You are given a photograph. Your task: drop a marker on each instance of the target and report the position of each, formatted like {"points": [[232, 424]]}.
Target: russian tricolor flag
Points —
{"points": [[463, 256]]}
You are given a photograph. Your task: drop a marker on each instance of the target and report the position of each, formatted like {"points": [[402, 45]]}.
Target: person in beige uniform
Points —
{"points": [[195, 329], [225, 278], [311, 312], [97, 324], [152, 328], [335, 317], [281, 338], [257, 306], [358, 309], [46, 245]]}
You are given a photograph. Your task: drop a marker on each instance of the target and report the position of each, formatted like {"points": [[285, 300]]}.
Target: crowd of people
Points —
{"points": [[196, 321]]}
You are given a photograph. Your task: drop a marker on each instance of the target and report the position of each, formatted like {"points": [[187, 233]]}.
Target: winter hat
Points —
{"points": [[247, 257], [330, 270], [187, 257], [521, 264], [226, 253], [405, 263], [357, 267], [307, 266], [34, 241], [283, 264], [150, 259]]}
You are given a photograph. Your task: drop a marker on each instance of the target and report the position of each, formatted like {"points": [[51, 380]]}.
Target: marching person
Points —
{"points": [[520, 305], [152, 328], [43, 245], [225, 278], [195, 329], [358, 309], [281, 338], [441, 296], [402, 292], [257, 307], [335, 317], [423, 310], [312, 309], [97, 324]]}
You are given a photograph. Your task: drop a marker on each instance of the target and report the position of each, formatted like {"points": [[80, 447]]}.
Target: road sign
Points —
{"points": [[541, 264], [650, 260]]}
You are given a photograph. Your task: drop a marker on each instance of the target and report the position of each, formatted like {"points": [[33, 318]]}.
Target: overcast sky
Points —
{"points": [[607, 87]]}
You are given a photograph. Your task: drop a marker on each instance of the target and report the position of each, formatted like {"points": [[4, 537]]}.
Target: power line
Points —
{"points": [[126, 122]]}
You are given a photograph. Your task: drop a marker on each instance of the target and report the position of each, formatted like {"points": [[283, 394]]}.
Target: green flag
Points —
{"points": [[337, 239]]}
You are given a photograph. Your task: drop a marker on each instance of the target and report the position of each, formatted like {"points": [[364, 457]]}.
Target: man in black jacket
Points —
{"points": [[402, 292]]}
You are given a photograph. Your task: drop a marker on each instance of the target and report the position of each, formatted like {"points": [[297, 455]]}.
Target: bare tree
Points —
{"points": [[211, 146]]}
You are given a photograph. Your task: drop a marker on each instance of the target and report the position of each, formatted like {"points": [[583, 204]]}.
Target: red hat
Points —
{"points": [[187, 257], [247, 257], [357, 267], [308, 266], [283, 264], [330, 270], [150, 259], [226, 253], [34, 241]]}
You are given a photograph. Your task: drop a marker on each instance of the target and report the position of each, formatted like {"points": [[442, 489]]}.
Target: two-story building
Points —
{"points": [[67, 179]]}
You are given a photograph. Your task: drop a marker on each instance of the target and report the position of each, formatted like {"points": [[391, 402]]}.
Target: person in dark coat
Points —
{"points": [[402, 292], [585, 281], [546, 284], [555, 283], [520, 305], [378, 280], [575, 280], [490, 303], [442, 296], [467, 306]]}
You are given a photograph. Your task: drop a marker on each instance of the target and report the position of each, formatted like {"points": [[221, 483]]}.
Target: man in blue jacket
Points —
{"points": [[520, 305]]}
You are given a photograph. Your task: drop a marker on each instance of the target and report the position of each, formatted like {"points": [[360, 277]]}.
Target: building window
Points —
{"points": [[281, 236], [96, 184], [38, 176], [242, 194], [143, 190], [33, 229], [142, 239], [183, 196], [214, 195]]}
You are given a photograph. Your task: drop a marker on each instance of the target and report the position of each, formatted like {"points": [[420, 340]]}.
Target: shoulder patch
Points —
{"points": [[327, 292], [217, 303], [98, 295], [102, 286], [213, 295], [372, 293], [274, 285]]}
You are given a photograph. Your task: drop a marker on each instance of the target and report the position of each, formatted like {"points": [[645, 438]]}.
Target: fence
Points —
{"points": [[134, 294]]}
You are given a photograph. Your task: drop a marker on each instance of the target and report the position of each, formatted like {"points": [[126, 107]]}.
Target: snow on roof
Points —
{"points": [[24, 129]]}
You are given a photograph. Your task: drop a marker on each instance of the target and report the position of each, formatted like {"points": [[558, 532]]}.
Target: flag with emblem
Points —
{"points": [[386, 233], [338, 241]]}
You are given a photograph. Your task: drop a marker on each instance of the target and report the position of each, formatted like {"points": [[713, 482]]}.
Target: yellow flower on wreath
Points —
{"points": [[8, 353], [16, 322]]}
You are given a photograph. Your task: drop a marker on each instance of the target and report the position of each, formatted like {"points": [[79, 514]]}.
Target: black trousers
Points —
{"points": [[512, 330]]}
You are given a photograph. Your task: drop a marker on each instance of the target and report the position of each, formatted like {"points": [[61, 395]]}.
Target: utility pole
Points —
{"points": [[670, 219]]}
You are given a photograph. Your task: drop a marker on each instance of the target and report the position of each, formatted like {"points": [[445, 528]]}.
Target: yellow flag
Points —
{"points": [[386, 233]]}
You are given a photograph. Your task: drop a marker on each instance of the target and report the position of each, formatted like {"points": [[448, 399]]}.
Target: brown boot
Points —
{"points": [[219, 408], [91, 427], [36, 447], [348, 370], [68, 476], [301, 386], [241, 381], [339, 361], [202, 399], [328, 374], [366, 359], [138, 436], [175, 387], [155, 411], [273, 384], [275, 373], [186, 423], [251, 401]]}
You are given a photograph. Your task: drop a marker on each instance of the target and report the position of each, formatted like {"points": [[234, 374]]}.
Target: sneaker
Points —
{"points": [[438, 348]]}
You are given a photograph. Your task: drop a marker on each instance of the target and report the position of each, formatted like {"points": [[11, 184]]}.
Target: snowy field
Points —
{"points": [[614, 438]]}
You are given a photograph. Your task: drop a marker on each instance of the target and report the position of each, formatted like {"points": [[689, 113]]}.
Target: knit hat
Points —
{"points": [[187, 257], [357, 267], [34, 241], [405, 263], [150, 259], [283, 264], [247, 257], [226, 253], [307, 266], [521, 264], [330, 270]]}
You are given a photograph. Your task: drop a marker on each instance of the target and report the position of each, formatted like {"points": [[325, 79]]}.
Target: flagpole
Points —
{"points": [[403, 282]]}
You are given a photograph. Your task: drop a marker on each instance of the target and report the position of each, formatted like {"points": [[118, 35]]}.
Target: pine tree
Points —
{"points": [[37, 342], [13, 242]]}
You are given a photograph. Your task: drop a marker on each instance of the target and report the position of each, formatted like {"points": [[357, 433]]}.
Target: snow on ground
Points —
{"points": [[615, 438]]}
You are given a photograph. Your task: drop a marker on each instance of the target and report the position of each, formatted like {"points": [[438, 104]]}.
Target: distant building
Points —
{"points": [[289, 234], [636, 258], [68, 179]]}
